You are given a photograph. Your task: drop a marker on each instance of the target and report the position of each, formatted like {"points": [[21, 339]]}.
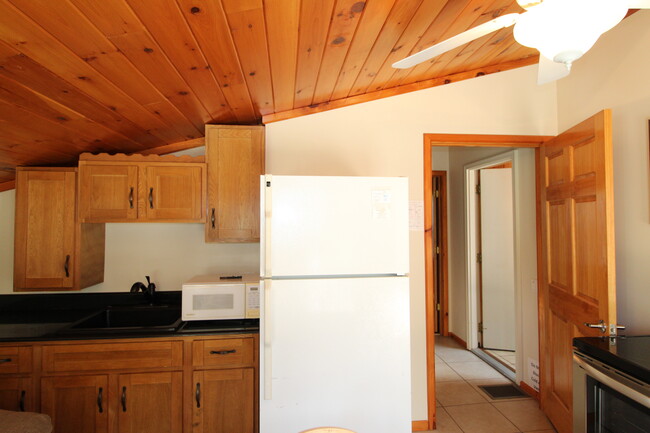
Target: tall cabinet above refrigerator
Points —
{"points": [[335, 344]]}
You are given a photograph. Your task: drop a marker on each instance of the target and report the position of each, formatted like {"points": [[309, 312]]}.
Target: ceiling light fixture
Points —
{"points": [[563, 30]]}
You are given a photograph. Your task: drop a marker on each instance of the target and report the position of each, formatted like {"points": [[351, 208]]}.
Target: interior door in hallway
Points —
{"points": [[497, 259], [578, 282]]}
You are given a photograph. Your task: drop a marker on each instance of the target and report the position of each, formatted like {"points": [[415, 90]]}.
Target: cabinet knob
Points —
{"points": [[124, 399], [212, 219], [198, 395], [66, 266], [21, 403], [151, 198], [131, 197], [100, 400], [222, 352]]}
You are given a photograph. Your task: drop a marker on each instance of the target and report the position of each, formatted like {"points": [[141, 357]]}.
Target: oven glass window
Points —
{"points": [[611, 411]]}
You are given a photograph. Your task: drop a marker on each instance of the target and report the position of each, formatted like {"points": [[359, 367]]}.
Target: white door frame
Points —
{"points": [[471, 249]]}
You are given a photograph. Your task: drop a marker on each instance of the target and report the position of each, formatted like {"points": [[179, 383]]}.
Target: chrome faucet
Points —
{"points": [[149, 290]]}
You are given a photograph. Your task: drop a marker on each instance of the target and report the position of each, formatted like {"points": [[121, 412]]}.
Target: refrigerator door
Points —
{"points": [[335, 352], [319, 225]]}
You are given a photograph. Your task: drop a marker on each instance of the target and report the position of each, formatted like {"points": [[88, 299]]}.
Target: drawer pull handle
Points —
{"points": [[222, 352], [131, 197], [212, 219], [66, 266], [124, 399], [2, 361], [198, 395], [100, 400], [21, 404], [150, 198]]}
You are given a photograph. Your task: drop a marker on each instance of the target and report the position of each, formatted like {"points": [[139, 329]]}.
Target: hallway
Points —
{"points": [[462, 407]]}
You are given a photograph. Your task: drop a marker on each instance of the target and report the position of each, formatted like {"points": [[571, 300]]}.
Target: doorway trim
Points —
{"points": [[451, 140]]}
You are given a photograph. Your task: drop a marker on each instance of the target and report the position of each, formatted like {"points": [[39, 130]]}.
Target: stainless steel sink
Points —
{"points": [[130, 319]]}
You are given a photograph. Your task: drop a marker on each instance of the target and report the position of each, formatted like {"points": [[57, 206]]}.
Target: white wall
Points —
{"points": [[7, 217], [385, 138], [615, 74]]}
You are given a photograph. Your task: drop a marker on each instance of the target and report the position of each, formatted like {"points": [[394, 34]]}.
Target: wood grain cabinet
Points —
{"points": [[139, 188], [52, 250], [235, 158], [17, 393], [76, 404]]}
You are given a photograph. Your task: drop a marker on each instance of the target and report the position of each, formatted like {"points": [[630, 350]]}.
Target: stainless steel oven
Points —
{"points": [[610, 393]]}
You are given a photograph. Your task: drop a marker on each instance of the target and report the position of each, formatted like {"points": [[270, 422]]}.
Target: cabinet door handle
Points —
{"points": [[100, 400], [124, 399], [222, 352], [131, 197], [212, 219], [151, 198], [198, 395], [66, 266], [2, 361], [21, 404]]}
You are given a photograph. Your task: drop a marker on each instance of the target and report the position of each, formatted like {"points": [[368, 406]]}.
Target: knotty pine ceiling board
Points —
{"points": [[146, 75]]}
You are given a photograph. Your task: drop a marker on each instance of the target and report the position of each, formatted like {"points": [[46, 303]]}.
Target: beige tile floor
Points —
{"points": [[462, 407]]}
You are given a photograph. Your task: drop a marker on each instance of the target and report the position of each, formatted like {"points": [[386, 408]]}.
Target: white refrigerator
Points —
{"points": [[335, 326]]}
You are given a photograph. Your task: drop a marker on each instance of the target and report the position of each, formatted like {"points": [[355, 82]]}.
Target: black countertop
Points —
{"points": [[49, 317], [630, 355]]}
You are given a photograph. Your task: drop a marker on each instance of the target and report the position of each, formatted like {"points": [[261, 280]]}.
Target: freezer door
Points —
{"points": [[318, 225], [335, 352]]}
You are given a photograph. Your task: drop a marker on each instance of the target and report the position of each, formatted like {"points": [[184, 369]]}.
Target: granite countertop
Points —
{"points": [[50, 317]]}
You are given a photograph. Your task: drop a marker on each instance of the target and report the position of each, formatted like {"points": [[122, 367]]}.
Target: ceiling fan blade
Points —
{"points": [[548, 70], [638, 4], [457, 41]]}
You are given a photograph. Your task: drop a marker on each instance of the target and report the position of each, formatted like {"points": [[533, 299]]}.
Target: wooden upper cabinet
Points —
{"points": [[108, 192], [174, 192], [52, 250], [235, 158], [139, 188]]}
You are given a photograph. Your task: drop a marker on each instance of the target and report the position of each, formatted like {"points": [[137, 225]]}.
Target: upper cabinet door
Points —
{"points": [[235, 157], [108, 193], [45, 229], [173, 192]]}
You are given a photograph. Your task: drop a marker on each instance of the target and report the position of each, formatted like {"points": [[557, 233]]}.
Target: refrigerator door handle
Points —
{"points": [[266, 229], [268, 371]]}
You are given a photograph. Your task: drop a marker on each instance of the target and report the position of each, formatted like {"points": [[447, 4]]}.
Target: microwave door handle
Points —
{"points": [[612, 383], [268, 371]]}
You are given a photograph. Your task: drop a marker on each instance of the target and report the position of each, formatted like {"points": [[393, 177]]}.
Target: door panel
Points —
{"points": [[108, 192], [174, 192], [498, 259], [578, 274], [76, 404]]}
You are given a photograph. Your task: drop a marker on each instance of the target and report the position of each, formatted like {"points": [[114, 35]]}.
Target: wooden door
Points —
{"points": [[235, 156], [108, 192], [45, 229], [578, 283], [223, 401], [76, 404], [150, 402], [173, 192], [16, 394]]}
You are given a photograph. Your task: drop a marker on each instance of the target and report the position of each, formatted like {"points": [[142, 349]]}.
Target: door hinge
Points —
{"points": [[479, 258], [437, 250], [480, 327], [478, 189], [438, 307], [437, 193]]}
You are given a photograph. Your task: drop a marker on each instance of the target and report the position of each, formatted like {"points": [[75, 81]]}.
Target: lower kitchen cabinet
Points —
{"points": [[17, 394], [150, 402], [223, 401], [76, 404]]}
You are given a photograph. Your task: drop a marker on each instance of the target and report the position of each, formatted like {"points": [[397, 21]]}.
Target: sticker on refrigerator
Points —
{"points": [[381, 204]]}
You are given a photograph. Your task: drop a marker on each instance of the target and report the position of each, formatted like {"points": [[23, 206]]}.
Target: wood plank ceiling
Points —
{"points": [[135, 75]]}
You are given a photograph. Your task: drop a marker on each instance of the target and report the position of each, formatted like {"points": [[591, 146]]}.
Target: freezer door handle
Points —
{"points": [[268, 371]]}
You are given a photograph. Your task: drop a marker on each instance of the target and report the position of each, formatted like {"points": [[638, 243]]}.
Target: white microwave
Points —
{"points": [[218, 297]]}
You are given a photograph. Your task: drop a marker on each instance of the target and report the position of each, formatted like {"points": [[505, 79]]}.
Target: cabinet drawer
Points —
{"points": [[15, 360], [227, 352], [112, 356]]}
